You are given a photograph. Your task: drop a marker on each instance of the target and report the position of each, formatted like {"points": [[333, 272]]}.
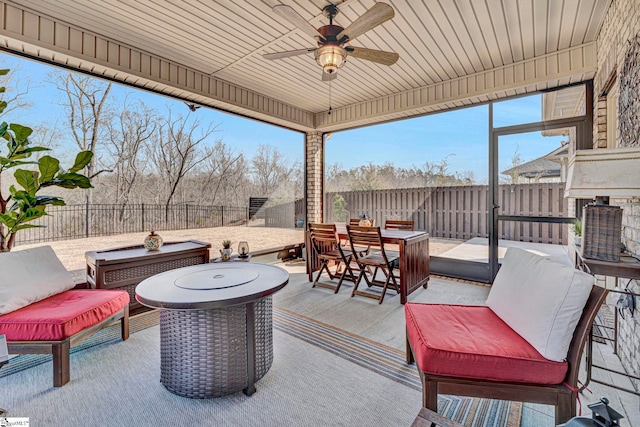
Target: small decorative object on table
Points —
{"points": [[243, 249], [226, 250], [152, 242], [365, 221]]}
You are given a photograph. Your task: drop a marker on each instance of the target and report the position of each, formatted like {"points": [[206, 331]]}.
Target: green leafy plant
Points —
{"points": [[226, 244], [24, 204], [340, 208], [577, 227]]}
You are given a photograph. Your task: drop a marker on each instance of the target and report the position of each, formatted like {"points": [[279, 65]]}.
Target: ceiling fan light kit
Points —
{"points": [[333, 40], [330, 58]]}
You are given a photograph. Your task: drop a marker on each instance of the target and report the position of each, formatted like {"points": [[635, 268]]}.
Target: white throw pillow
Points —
{"points": [[542, 300], [30, 275]]}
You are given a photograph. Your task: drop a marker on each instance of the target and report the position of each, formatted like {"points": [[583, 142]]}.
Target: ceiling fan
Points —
{"points": [[333, 48]]}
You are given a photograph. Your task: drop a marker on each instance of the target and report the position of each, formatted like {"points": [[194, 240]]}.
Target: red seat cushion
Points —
{"points": [[62, 315], [473, 342]]}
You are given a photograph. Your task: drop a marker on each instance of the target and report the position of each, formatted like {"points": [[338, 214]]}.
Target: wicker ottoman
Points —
{"points": [[216, 334]]}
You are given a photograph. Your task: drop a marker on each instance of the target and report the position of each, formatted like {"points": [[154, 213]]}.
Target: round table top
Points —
{"points": [[206, 286]]}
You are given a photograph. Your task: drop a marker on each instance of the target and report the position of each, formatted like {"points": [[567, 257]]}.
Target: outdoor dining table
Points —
{"points": [[414, 257]]}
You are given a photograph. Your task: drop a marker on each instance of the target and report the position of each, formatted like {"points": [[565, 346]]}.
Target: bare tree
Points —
{"points": [[16, 87], [177, 151], [270, 170], [85, 100], [225, 172], [129, 133], [513, 177]]}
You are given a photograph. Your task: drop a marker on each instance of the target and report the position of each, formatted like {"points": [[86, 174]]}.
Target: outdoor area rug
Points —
{"points": [[383, 360], [391, 363]]}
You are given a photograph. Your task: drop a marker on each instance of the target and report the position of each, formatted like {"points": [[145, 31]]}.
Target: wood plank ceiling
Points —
{"points": [[439, 41]]}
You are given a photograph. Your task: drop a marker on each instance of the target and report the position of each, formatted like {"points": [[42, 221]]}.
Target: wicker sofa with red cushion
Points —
{"points": [[41, 313]]}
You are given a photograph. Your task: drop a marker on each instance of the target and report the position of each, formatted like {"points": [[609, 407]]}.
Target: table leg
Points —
{"points": [[414, 265], [403, 273]]}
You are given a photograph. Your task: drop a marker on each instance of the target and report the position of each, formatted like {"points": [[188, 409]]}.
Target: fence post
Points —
{"points": [[186, 215], [142, 214], [86, 219], [222, 215]]}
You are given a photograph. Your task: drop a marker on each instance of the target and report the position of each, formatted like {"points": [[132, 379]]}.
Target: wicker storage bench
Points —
{"points": [[125, 267]]}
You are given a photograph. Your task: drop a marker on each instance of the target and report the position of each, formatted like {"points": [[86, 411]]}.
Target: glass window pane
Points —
{"points": [[568, 102]]}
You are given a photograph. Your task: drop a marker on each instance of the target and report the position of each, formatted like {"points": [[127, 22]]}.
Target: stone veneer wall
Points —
{"points": [[619, 30], [314, 153]]}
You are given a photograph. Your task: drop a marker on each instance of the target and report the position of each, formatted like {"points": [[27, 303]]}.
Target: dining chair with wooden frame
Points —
{"points": [[326, 245], [375, 258], [396, 224]]}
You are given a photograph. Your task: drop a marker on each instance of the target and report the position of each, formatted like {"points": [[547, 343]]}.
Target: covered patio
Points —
{"points": [[451, 55], [338, 361]]}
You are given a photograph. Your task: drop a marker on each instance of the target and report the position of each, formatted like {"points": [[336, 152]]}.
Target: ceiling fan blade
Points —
{"points": [[379, 13], [378, 56], [288, 13], [288, 53], [328, 77]]}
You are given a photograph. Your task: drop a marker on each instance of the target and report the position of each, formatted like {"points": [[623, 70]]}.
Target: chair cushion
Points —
{"points": [[473, 342], [62, 315], [29, 276], [540, 299]]}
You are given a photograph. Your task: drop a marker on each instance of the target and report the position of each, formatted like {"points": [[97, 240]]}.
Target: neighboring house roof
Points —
{"points": [[545, 166]]}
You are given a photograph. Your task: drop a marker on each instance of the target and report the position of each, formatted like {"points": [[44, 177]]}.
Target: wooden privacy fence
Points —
{"points": [[460, 212], [285, 215]]}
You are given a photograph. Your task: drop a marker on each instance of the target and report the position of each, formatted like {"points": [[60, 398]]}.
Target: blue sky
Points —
{"points": [[460, 136]]}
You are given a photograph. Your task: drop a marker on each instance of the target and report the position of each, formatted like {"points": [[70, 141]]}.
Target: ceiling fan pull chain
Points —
{"points": [[329, 98]]}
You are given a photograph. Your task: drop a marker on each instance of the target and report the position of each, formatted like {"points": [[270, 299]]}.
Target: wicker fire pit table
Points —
{"points": [[216, 334]]}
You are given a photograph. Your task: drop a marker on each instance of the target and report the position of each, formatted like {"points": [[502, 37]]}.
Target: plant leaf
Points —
{"points": [[49, 200], [70, 180], [48, 167], [21, 132], [31, 214], [23, 226], [32, 150], [8, 219], [82, 159], [27, 179]]}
